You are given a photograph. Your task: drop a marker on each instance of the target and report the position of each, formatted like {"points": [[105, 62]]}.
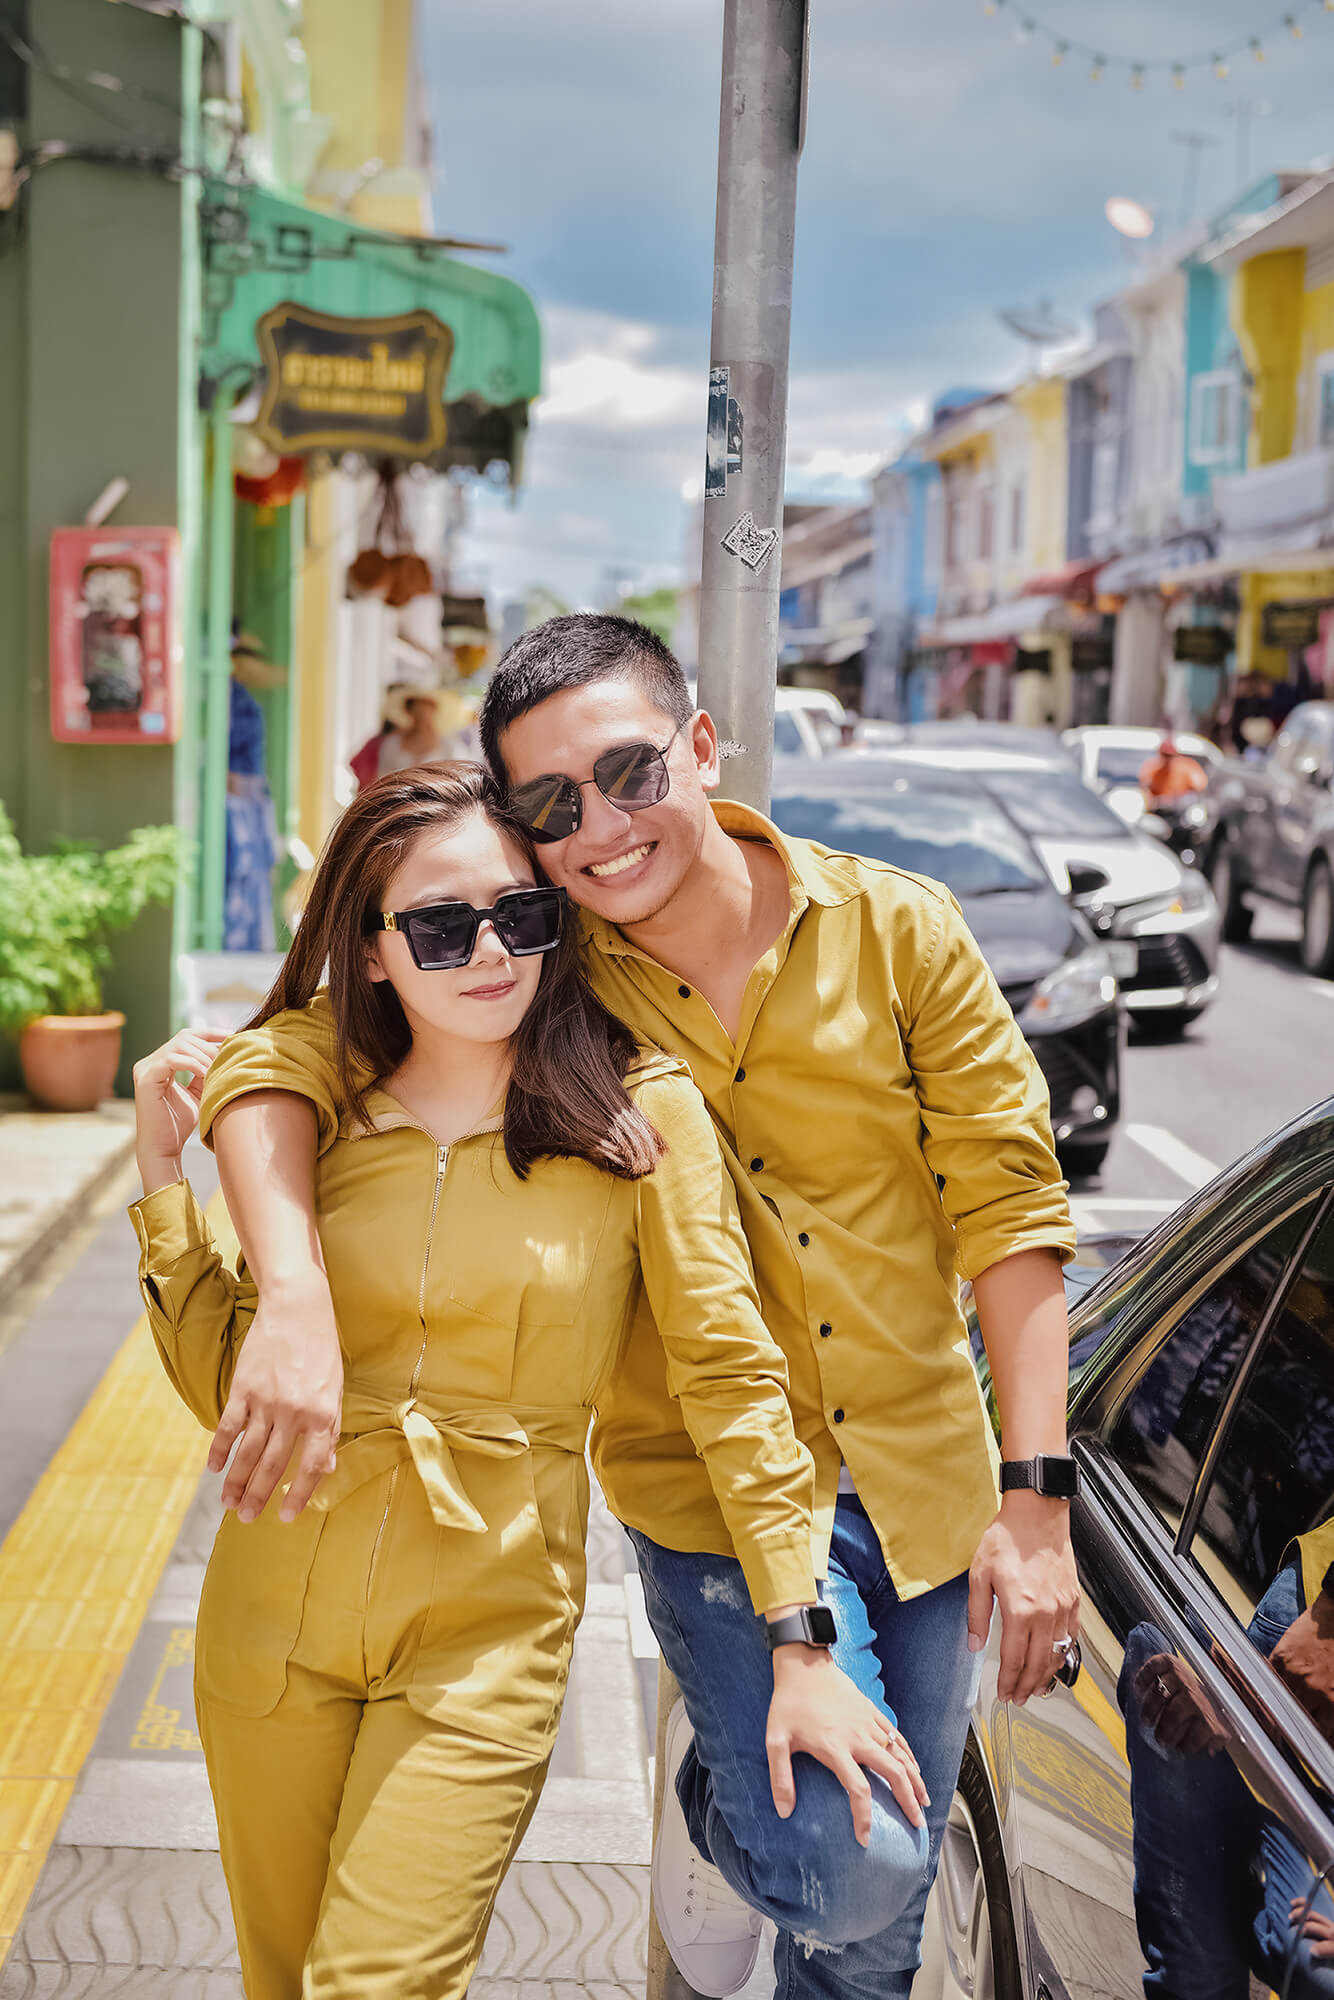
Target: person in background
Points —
{"points": [[417, 726], [1170, 776], [252, 827]]}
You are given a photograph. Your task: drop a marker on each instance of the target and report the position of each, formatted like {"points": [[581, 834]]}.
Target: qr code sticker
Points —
{"points": [[753, 546]]}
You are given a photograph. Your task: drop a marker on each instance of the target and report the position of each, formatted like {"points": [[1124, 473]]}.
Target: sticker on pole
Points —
{"points": [[750, 544], [723, 451]]}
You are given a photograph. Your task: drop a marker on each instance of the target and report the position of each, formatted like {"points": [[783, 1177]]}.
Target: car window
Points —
{"points": [[1121, 766], [1274, 1476], [1054, 805], [1160, 1432], [966, 843]]}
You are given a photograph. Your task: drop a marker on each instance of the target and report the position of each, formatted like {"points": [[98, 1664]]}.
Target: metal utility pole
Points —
{"points": [[761, 127], [760, 133]]}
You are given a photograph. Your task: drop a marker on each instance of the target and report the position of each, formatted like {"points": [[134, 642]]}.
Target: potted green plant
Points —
{"points": [[57, 912]]}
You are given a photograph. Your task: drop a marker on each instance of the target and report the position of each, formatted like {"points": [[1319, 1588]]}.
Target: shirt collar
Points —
{"points": [[813, 876], [385, 1114]]}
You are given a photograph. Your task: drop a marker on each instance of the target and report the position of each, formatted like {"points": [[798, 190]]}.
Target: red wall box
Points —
{"points": [[115, 635]]}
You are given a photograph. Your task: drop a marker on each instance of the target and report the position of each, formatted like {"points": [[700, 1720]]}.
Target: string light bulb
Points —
{"points": [[1137, 77], [990, 6], [1257, 48], [1178, 77], [1222, 67], [1099, 65], [1059, 53], [1293, 26]]}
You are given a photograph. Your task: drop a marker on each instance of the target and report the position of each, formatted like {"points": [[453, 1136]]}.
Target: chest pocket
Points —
{"points": [[518, 1254]]}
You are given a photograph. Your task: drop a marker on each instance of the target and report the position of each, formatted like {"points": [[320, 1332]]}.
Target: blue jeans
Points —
{"points": [[849, 1918]]}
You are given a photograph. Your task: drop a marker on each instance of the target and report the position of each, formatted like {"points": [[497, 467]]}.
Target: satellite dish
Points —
{"points": [[1129, 218], [1038, 325]]}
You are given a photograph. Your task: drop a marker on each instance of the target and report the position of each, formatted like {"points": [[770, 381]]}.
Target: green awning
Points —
{"points": [[259, 250]]}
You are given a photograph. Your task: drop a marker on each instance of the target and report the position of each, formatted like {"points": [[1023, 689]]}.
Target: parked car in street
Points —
{"points": [[1270, 832], [1166, 1822], [1055, 975], [1159, 917]]}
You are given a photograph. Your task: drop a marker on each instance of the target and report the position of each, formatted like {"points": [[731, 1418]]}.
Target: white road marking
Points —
{"points": [[1173, 1153], [642, 1642]]}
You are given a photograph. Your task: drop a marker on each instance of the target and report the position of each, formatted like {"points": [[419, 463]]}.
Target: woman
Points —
{"points": [[379, 1681], [415, 724]]}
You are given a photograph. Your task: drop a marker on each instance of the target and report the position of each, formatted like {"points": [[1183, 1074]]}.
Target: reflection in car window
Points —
{"points": [[966, 843], [1121, 767], [1161, 1430], [1053, 805], [1274, 1479]]}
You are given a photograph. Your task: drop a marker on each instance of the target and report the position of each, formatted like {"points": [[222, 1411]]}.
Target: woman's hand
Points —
{"points": [[817, 1709], [166, 1112]]}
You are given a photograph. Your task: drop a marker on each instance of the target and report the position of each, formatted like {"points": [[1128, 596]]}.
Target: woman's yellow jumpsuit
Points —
{"points": [[378, 1683]]}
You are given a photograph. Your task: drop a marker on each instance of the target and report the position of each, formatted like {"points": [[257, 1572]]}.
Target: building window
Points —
{"points": [[953, 531], [1324, 405], [1102, 496], [1018, 510], [986, 523], [1214, 411]]}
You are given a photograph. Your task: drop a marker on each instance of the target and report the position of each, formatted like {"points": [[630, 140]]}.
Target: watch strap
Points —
{"points": [[1051, 1474], [811, 1626]]}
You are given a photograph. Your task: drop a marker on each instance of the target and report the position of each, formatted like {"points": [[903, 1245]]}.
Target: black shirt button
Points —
{"points": [[757, 1166], [825, 1329], [803, 1239], [838, 1416], [684, 992], [741, 1076]]}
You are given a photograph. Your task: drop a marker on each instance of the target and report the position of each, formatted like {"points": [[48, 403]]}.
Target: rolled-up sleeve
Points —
{"points": [[986, 1113], [198, 1310], [723, 1365], [295, 1051]]}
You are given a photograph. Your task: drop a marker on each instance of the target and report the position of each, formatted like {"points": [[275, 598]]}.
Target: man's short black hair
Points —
{"points": [[578, 651]]}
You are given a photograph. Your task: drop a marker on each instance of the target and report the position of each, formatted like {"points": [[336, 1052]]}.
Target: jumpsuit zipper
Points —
{"points": [[441, 1162]]}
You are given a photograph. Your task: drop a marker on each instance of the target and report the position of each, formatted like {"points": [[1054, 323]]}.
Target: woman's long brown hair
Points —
{"points": [[569, 1057]]}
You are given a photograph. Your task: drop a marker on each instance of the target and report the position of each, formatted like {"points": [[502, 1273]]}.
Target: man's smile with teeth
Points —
{"points": [[621, 863]]}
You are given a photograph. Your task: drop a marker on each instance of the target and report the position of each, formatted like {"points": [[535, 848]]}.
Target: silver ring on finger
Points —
{"points": [[1063, 1644]]}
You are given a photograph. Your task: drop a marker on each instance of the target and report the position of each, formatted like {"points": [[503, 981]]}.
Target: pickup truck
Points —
{"points": [[1270, 833]]}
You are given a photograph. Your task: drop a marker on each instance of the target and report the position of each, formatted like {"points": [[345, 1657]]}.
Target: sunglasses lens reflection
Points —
{"points": [[631, 777], [442, 938], [549, 808], [529, 923]]}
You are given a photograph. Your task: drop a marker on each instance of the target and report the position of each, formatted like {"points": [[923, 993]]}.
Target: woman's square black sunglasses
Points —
{"points": [[631, 776], [444, 935]]}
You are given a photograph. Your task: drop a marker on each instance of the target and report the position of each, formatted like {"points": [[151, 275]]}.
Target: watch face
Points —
{"points": [[823, 1629], [1058, 1478]]}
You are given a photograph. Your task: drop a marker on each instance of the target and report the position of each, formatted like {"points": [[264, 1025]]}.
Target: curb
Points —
{"points": [[19, 1266]]}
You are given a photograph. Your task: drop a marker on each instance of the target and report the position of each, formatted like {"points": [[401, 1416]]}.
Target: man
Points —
{"points": [[887, 1130], [1170, 776]]}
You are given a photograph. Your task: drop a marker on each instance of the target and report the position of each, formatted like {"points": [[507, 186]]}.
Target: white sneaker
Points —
{"points": [[713, 1937]]}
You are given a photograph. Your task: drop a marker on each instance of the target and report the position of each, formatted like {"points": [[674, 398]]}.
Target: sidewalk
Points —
{"points": [[109, 1873], [50, 1164]]}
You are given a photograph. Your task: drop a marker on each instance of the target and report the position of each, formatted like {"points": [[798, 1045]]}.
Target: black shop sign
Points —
{"points": [[1292, 627], [1201, 645], [370, 385]]}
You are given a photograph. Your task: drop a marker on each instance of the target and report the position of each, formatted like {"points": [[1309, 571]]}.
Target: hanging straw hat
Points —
{"points": [[450, 711], [252, 665]]}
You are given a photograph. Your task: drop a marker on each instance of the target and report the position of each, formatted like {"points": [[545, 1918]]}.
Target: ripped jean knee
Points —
{"points": [[827, 1890]]}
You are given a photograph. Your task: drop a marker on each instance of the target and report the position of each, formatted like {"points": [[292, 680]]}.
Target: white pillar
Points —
{"points": [[1137, 693]]}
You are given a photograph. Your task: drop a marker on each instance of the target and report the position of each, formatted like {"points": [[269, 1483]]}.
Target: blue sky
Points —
{"points": [[950, 169]]}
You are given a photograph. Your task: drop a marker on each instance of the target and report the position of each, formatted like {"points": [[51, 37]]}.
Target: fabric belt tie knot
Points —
{"points": [[376, 1433]]}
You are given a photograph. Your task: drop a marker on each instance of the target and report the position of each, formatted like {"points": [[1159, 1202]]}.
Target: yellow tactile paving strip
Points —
{"points": [[78, 1571]]}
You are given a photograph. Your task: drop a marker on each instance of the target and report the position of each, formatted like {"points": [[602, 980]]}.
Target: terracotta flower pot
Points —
{"points": [[69, 1061]]}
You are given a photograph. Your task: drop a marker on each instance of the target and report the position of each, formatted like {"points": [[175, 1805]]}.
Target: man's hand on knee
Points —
{"points": [[818, 1710]]}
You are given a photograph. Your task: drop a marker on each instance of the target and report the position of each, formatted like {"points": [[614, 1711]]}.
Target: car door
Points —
{"points": [[1099, 1812], [1295, 761]]}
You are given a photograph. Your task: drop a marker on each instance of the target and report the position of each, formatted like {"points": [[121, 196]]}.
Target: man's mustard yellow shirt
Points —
{"points": [[888, 1132]]}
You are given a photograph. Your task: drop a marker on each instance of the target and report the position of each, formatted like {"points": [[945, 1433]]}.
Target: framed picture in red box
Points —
{"points": [[115, 635]]}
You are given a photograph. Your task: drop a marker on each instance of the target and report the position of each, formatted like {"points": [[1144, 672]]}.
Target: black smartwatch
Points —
{"points": [[812, 1626], [1055, 1478]]}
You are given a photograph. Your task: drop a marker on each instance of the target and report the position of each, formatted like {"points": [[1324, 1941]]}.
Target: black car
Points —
{"points": [[1166, 1824], [1054, 974]]}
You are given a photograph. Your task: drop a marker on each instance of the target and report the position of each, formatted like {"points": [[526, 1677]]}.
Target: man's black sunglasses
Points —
{"points": [[632, 776], [444, 935]]}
